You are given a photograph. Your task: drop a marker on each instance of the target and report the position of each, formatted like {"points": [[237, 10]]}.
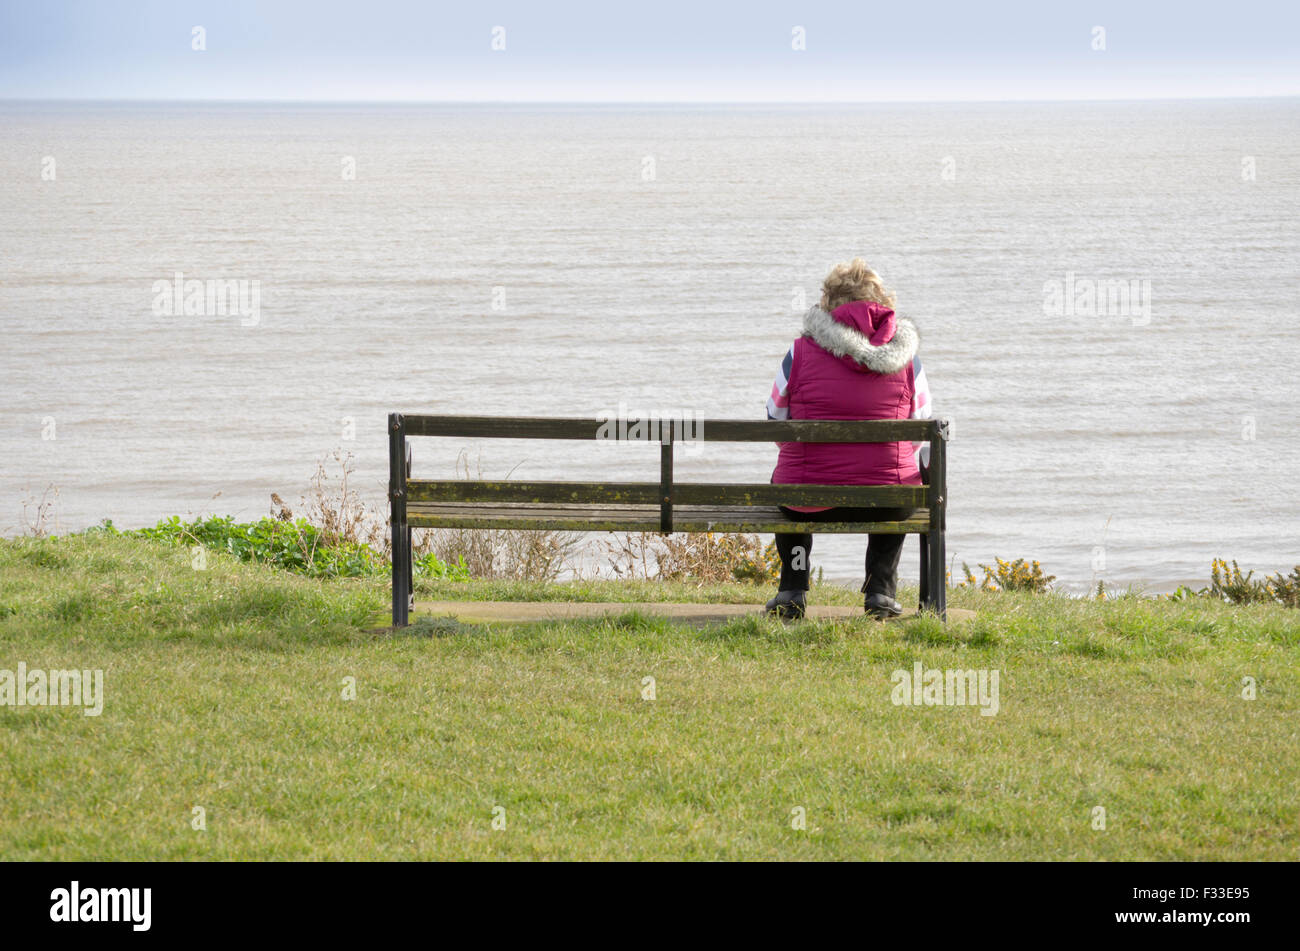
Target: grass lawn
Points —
{"points": [[224, 689]]}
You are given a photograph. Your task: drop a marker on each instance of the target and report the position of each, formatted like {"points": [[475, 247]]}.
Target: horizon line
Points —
{"points": [[632, 102]]}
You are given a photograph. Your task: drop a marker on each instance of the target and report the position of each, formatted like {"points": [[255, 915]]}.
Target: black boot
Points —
{"points": [[881, 606], [787, 605]]}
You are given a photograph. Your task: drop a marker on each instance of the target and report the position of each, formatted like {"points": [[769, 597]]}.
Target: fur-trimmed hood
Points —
{"points": [[849, 333]]}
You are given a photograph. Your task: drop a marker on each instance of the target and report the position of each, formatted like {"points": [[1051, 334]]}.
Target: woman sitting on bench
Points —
{"points": [[856, 360]]}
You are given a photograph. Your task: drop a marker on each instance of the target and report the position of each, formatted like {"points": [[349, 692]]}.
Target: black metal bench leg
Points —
{"points": [[410, 548], [936, 588], [925, 572], [935, 585], [401, 573], [401, 570], [401, 531]]}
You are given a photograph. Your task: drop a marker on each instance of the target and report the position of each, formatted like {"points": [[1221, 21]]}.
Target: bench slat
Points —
{"points": [[638, 518], [714, 430], [684, 493], [765, 493]]}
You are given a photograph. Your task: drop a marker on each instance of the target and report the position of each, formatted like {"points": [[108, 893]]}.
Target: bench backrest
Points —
{"points": [[666, 493]]}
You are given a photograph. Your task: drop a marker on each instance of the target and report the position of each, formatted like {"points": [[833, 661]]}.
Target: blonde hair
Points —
{"points": [[853, 281]]}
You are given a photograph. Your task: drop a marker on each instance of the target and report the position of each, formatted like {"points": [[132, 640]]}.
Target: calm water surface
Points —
{"points": [[565, 260]]}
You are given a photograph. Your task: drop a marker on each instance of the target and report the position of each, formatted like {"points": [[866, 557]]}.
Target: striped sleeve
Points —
{"points": [[778, 403], [921, 409]]}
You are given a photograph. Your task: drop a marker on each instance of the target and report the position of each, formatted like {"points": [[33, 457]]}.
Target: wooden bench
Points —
{"points": [[664, 506]]}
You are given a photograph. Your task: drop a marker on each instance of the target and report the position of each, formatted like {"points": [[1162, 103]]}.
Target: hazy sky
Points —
{"points": [[664, 51]]}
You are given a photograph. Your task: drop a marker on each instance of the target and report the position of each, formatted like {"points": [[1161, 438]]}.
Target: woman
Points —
{"points": [[856, 360]]}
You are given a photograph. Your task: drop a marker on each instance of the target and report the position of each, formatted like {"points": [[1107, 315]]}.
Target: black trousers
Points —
{"points": [[883, 551]]}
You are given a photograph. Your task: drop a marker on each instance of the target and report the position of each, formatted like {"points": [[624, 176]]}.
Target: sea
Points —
{"points": [[1107, 293]]}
